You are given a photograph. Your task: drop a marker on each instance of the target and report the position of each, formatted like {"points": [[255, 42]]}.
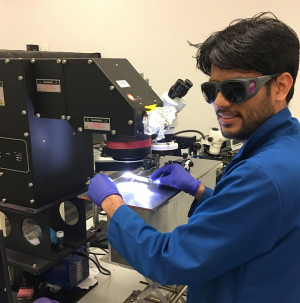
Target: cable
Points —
{"points": [[98, 254], [94, 263], [101, 269], [104, 249], [105, 270], [189, 131]]}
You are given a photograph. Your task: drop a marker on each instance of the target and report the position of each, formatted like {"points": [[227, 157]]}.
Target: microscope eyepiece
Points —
{"points": [[176, 89], [187, 85]]}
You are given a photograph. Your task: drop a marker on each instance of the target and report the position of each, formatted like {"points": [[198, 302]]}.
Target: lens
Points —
{"points": [[209, 92], [176, 89], [233, 91]]}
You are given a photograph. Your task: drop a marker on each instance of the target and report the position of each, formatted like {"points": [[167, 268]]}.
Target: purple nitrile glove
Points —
{"points": [[176, 176], [45, 300], [101, 186]]}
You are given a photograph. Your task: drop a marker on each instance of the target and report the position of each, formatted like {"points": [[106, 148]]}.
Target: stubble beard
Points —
{"points": [[251, 122]]}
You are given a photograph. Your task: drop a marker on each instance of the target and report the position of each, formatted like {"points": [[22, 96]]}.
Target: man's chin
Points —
{"points": [[225, 128], [228, 133], [235, 135]]}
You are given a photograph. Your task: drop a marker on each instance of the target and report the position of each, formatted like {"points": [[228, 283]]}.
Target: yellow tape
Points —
{"points": [[150, 107]]}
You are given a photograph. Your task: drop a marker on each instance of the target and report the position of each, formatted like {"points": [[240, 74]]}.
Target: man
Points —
{"points": [[242, 240]]}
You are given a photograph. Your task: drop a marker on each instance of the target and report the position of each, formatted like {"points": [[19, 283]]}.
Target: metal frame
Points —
{"points": [[38, 258]]}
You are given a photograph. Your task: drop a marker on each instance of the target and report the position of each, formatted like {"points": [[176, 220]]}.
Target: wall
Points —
{"points": [[151, 34]]}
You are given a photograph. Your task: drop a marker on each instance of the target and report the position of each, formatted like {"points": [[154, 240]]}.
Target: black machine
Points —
{"points": [[50, 106]]}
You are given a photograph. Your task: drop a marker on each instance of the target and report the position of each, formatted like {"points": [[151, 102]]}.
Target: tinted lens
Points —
{"points": [[209, 92], [233, 91]]}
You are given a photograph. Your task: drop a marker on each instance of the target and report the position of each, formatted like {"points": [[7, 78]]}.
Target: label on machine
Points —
{"points": [[2, 101], [48, 85], [14, 155], [96, 123], [123, 83]]}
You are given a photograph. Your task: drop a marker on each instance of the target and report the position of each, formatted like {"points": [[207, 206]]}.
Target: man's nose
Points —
{"points": [[221, 101]]}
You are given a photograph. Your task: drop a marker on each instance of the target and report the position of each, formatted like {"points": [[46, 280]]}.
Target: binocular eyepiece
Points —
{"points": [[180, 88]]}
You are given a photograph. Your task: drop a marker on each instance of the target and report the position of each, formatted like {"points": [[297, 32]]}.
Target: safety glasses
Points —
{"points": [[234, 90]]}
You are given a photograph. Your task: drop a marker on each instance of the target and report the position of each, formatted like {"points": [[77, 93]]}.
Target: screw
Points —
{"points": [[111, 87], [34, 265], [32, 60], [64, 61], [30, 184], [63, 117], [113, 132], [26, 134], [154, 101], [3, 200], [90, 61], [1, 173], [130, 122], [58, 61], [31, 201], [7, 61], [68, 118], [80, 129], [38, 115], [24, 112], [20, 78]]}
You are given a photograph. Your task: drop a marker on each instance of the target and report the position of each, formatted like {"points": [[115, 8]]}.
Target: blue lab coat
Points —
{"points": [[242, 241]]}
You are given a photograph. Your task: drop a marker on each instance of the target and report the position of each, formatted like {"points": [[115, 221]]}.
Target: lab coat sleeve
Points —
{"points": [[239, 222], [208, 192]]}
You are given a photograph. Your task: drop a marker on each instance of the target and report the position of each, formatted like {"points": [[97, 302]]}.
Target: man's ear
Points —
{"points": [[283, 85]]}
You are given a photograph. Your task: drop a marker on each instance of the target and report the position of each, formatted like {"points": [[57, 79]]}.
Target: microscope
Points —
{"points": [[173, 99]]}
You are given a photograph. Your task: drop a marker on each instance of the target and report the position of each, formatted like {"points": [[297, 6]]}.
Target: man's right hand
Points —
{"points": [[176, 176], [101, 186]]}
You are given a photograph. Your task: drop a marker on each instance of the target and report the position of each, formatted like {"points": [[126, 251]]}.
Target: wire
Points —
{"points": [[101, 269], [105, 270], [94, 263], [189, 131], [104, 249], [97, 254]]}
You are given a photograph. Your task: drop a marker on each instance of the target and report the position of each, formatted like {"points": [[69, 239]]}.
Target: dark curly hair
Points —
{"points": [[261, 43]]}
